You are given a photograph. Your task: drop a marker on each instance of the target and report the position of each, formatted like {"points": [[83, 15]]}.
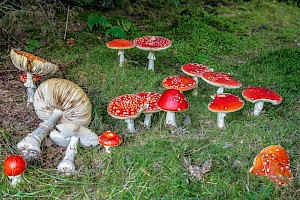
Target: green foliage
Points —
{"points": [[264, 193], [96, 21], [32, 45]]}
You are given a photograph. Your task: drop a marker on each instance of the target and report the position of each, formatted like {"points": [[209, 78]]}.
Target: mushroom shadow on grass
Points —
{"points": [[56, 101]]}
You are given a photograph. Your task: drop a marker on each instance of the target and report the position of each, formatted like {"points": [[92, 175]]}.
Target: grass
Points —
{"points": [[255, 41]]}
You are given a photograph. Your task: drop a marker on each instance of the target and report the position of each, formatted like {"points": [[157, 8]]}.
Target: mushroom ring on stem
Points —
{"points": [[121, 45], [172, 101], [259, 95], [31, 65], [68, 135], [13, 167], [221, 80], [55, 101], [109, 139], [127, 107], [223, 104], [152, 44]]}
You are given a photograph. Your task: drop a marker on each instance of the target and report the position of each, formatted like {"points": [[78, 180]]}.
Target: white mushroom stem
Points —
{"points": [[15, 179], [30, 145], [147, 119], [151, 57], [170, 118], [130, 125], [107, 149], [122, 57], [67, 166], [195, 90], [220, 90], [221, 120], [258, 106], [29, 84]]}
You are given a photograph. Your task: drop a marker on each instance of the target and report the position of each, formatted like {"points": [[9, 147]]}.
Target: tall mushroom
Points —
{"points": [[221, 80], [223, 104], [195, 70], [68, 135], [127, 107], [31, 65], [181, 83], [172, 101], [121, 45], [13, 167], [152, 44], [259, 95], [55, 101]]}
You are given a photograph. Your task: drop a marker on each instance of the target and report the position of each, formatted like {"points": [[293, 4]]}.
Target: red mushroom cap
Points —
{"points": [[273, 162], [14, 165], [195, 69], [152, 43], [254, 94], [120, 44], [128, 106], [181, 83], [173, 100], [36, 77], [220, 79], [109, 138], [152, 99], [225, 103]]}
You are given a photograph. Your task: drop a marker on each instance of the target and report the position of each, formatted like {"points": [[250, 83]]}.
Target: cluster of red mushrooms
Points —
{"points": [[66, 110]]}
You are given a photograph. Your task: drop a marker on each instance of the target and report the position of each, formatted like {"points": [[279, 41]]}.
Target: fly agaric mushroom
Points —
{"points": [[274, 163], [56, 101], [13, 167], [68, 135], [109, 139], [152, 44], [121, 45], [221, 80], [152, 98], [172, 101], [223, 104], [259, 95], [31, 65], [195, 70], [181, 83], [35, 78], [127, 107]]}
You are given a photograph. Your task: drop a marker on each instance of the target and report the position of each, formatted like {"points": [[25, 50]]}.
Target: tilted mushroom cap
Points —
{"points": [[225, 103], [173, 100], [152, 43], [29, 63], [152, 100], [220, 79], [181, 83], [66, 131], [120, 44], [195, 69], [109, 138], [66, 96], [254, 94]]}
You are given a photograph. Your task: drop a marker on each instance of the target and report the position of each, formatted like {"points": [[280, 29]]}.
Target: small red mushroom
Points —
{"points": [[223, 104], [121, 45], [181, 83], [71, 41], [172, 101], [35, 78], [14, 166], [274, 163], [109, 139], [221, 80], [152, 44], [259, 95]]}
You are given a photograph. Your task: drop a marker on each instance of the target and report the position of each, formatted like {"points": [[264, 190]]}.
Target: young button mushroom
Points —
{"points": [[68, 136], [259, 95], [172, 101], [127, 107], [152, 98], [13, 167], [274, 163], [31, 65], [223, 104], [181, 83], [152, 44], [109, 139], [195, 70], [121, 45], [221, 80], [55, 101]]}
